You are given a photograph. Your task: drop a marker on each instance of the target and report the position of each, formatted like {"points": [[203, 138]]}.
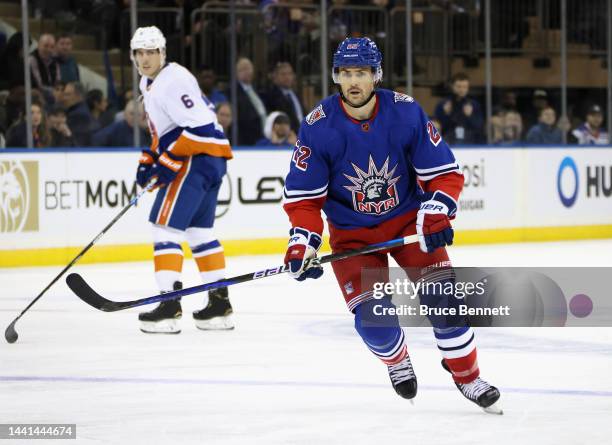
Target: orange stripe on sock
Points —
{"points": [[211, 262], [170, 261]]}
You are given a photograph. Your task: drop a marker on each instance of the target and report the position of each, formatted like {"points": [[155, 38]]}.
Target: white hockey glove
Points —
{"points": [[303, 245], [433, 221]]}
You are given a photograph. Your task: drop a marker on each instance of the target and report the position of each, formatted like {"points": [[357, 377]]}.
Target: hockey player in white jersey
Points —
{"points": [[188, 159]]}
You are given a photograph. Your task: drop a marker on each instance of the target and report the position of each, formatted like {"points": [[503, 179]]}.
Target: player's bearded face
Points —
{"points": [[357, 85], [149, 61]]}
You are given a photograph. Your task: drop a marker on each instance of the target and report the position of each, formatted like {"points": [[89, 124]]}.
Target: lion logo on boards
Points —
{"points": [[18, 196], [401, 97], [315, 115], [374, 192]]}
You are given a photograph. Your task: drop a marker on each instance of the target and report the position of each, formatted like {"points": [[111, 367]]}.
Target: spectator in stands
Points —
{"points": [[17, 134], [251, 109], [69, 68], [61, 136], [340, 22], [80, 121], [459, 114], [277, 131], [98, 107], [180, 26], [208, 84], [14, 106], [121, 133], [591, 132], [58, 92], [11, 61], [507, 126], [282, 97], [538, 102], [281, 25], [545, 132], [224, 116], [127, 96], [44, 67]]}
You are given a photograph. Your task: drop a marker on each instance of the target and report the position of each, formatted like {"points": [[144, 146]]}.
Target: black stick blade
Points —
{"points": [[81, 289], [11, 334]]}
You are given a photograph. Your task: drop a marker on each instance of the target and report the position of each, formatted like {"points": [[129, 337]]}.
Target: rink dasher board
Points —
{"points": [[55, 201]]}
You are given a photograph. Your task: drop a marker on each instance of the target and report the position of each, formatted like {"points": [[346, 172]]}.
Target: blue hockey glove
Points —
{"points": [[145, 164], [303, 245], [433, 221], [166, 168]]}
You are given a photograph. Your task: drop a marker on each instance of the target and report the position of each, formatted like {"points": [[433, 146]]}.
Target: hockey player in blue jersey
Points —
{"points": [[378, 168]]}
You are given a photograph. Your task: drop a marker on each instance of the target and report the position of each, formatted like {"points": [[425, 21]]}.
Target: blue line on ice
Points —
{"points": [[131, 380]]}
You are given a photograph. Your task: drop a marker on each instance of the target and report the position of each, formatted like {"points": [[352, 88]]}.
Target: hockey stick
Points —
{"points": [[11, 334], [82, 290]]}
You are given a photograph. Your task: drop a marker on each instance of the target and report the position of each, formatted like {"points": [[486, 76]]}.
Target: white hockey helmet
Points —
{"points": [[148, 37]]}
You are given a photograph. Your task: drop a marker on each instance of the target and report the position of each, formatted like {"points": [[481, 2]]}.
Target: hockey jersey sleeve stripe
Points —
{"points": [[186, 146], [445, 167], [288, 200], [428, 176], [205, 131], [292, 193], [212, 140], [199, 140]]}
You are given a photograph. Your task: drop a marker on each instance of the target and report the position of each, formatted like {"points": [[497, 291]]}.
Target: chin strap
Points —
{"points": [[365, 102]]}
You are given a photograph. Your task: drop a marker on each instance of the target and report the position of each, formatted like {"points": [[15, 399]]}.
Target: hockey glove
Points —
{"points": [[166, 168], [433, 221], [145, 164], [303, 245]]}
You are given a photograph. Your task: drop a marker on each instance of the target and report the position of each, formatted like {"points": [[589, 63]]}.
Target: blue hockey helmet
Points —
{"points": [[358, 51]]}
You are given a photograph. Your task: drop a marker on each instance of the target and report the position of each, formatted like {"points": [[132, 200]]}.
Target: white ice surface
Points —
{"points": [[293, 371]]}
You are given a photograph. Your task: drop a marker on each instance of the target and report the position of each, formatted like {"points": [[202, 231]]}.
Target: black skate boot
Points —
{"points": [[403, 378], [217, 315], [162, 319], [480, 392]]}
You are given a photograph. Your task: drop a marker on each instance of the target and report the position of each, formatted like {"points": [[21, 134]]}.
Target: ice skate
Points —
{"points": [[481, 393], [163, 319], [217, 315], [403, 379]]}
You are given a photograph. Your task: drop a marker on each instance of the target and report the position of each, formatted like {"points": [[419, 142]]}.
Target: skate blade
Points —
{"points": [[160, 327], [215, 324], [494, 409]]}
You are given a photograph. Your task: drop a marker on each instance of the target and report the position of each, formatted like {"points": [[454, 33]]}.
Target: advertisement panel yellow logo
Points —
{"points": [[18, 196]]}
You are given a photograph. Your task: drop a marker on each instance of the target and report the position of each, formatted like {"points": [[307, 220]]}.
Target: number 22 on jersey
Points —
{"points": [[300, 155]]}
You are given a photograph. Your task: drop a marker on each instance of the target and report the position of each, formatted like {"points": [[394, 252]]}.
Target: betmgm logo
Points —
{"points": [[18, 196]]}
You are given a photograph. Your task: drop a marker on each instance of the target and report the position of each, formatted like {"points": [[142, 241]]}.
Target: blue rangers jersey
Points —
{"points": [[363, 173]]}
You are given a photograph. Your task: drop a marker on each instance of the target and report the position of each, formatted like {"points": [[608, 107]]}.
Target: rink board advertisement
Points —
{"points": [[54, 200], [569, 187], [65, 199]]}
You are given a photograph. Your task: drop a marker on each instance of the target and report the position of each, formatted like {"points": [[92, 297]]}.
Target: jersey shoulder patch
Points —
{"points": [[401, 97], [315, 115]]}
